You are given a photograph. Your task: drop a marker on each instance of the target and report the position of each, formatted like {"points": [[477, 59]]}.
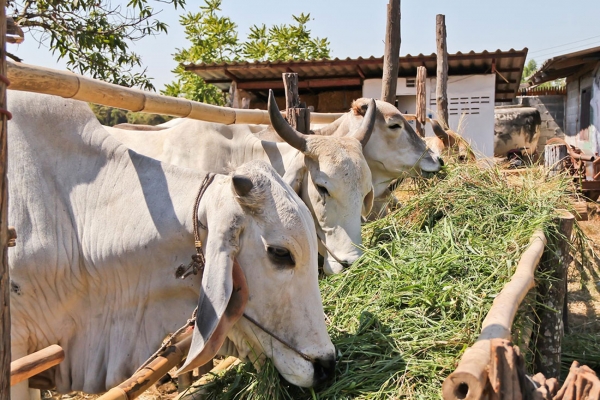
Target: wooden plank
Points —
{"points": [[441, 92], [391, 56], [303, 84], [554, 157], [33, 364], [421, 100], [4, 274]]}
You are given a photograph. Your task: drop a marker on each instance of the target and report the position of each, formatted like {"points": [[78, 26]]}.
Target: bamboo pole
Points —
{"points": [[4, 274], [147, 376], [441, 92], [30, 78], [470, 378], [34, 363], [391, 57]]}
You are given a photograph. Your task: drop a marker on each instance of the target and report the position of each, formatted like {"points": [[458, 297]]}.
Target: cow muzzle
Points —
{"points": [[324, 370]]}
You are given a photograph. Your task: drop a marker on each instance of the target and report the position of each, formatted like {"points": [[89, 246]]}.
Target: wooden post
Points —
{"points": [[555, 261], [441, 92], [297, 115], [421, 100], [4, 277], [554, 157], [391, 56]]}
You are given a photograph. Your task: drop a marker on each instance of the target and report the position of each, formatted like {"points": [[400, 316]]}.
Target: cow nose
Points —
{"points": [[441, 162], [346, 264], [324, 370]]}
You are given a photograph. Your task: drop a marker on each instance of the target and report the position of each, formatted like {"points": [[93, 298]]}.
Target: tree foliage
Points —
{"points": [[111, 116], [214, 39], [93, 36], [529, 69]]}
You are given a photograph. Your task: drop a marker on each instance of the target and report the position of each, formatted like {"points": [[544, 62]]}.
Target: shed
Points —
{"points": [[476, 82], [582, 110]]}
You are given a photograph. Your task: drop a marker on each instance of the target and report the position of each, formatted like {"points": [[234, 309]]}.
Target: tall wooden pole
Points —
{"points": [[421, 100], [392, 53], [441, 92], [4, 278]]}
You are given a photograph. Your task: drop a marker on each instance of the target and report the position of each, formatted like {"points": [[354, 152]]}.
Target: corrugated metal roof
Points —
{"points": [[318, 75], [565, 65]]}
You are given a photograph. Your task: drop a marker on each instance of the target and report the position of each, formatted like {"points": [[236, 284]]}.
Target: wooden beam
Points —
{"points": [[360, 72], [391, 57], [33, 364], [305, 84], [4, 275], [441, 92], [231, 75], [421, 100]]}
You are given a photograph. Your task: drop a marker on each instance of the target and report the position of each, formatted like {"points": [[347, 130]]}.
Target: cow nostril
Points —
{"points": [[324, 370], [441, 162], [346, 264]]}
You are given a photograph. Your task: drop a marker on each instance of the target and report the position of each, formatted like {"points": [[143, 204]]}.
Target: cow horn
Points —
{"points": [[363, 133], [440, 132], [284, 130], [242, 185]]}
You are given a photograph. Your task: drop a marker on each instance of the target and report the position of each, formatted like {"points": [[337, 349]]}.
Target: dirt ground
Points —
{"points": [[584, 281]]}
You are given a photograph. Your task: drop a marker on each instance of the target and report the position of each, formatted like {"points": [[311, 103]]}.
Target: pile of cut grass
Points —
{"points": [[402, 317]]}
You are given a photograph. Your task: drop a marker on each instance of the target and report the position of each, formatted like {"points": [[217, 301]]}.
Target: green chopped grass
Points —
{"points": [[402, 317]]}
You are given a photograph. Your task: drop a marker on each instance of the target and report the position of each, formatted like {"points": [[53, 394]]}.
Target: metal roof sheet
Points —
{"points": [[565, 65], [319, 75]]}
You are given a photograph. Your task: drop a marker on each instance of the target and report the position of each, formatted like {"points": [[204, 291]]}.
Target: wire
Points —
{"points": [[566, 51], [562, 45]]}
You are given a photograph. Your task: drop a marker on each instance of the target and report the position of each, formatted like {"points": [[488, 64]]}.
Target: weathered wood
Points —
{"points": [[31, 78], [421, 100], [555, 261], [504, 371], [580, 210], [582, 383], [470, 379], [4, 275], [34, 363], [391, 56], [554, 158], [297, 116], [441, 91], [147, 376]]}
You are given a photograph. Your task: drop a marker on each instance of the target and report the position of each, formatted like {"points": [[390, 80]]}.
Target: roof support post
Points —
{"points": [[391, 58], [421, 100], [4, 278]]}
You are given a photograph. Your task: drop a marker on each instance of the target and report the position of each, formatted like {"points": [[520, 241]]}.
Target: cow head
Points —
{"points": [[449, 143], [335, 183], [395, 150], [261, 260]]}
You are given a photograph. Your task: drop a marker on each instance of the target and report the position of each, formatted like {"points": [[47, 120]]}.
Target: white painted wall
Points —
{"points": [[470, 106]]}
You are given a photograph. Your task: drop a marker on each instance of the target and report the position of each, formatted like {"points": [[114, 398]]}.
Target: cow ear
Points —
{"points": [[368, 203], [223, 298]]}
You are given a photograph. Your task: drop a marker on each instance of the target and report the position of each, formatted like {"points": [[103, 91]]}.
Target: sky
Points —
{"points": [[357, 28]]}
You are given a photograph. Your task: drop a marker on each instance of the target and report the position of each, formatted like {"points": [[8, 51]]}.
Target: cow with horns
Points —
{"points": [[330, 174], [102, 231]]}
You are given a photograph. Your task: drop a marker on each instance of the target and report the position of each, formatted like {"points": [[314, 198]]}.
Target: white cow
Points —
{"points": [[394, 150], [330, 174], [102, 230]]}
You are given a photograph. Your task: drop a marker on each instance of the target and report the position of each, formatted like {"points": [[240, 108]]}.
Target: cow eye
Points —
{"points": [[281, 256], [395, 126], [323, 190]]}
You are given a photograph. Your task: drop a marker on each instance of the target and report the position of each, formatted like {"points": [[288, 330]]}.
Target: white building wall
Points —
{"points": [[470, 106]]}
